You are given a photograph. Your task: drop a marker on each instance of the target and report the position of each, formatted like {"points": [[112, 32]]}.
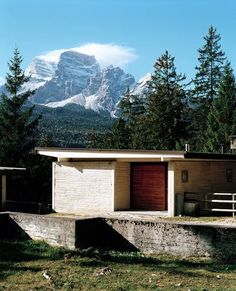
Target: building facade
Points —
{"points": [[111, 180]]}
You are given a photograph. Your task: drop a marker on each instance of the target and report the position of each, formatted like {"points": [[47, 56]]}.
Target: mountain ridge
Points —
{"points": [[73, 77], [77, 78]]}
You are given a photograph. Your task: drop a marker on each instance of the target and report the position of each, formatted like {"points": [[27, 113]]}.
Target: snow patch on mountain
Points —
{"points": [[77, 99], [103, 91], [141, 86], [69, 76]]}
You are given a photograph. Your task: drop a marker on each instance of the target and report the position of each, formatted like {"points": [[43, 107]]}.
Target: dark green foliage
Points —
{"points": [[211, 64], [222, 116], [18, 130], [18, 137], [120, 136], [131, 110], [206, 85], [70, 126], [34, 184], [116, 138], [166, 106]]}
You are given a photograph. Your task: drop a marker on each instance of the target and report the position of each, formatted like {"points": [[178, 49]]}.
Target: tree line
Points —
{"points": [[170, 113], [173, 112]]}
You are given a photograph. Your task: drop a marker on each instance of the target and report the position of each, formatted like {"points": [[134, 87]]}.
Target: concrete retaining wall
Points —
{"points": [[184, 239], [177, 238], [57, 231]]}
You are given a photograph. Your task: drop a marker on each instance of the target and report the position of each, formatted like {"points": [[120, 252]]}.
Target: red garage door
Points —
{"points": [[149, 186]]}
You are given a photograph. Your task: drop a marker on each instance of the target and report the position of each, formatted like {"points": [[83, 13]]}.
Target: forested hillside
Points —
{"points": [[69, 126]]}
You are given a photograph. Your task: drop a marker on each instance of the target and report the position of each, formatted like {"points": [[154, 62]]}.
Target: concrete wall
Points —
{"points": [[122, 186], [183, 239], [149, 236], [204, 176], [56, 231], [83, 186]]}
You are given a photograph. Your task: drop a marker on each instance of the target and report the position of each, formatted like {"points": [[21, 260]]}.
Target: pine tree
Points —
{"points": [[131, 108], [221, 119], [120, 135], [165, 124], [18, 129], [206, 84]]}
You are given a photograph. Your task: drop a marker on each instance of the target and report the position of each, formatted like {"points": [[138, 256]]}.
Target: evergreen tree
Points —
{"points": [[18, 130], [120, 136], [222, 117], [165, 125], [206, 84], [131, 107]]}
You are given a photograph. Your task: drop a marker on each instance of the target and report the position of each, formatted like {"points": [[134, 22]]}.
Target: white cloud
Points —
{"points": [[106, 54], [52, 56]]}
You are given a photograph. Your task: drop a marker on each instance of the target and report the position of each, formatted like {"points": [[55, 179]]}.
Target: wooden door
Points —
{"points": [[149, 186]]}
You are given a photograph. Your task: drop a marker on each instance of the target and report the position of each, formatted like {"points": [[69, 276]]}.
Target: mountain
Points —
{"points": [[141, 86], [73, 77], [75, 95]]}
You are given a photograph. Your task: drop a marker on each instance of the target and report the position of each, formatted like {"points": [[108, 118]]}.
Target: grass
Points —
{"points": [[23, 263]]}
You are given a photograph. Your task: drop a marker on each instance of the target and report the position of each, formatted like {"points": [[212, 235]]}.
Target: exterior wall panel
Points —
{"points": [[122, 186], [205, 176], [83, 186]]}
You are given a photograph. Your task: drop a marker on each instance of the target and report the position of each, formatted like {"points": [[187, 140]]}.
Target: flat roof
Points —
{"points": [[128, 155]]}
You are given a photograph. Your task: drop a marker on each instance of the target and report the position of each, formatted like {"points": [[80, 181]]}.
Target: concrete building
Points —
{"points": [[113, 180]]}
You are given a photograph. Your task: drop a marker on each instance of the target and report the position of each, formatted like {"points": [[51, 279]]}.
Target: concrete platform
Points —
{"points": [[146, 232], [130, 215]]}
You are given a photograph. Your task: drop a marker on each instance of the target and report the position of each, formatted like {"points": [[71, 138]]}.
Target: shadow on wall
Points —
{"points": [[9, 229], [97, 233]]}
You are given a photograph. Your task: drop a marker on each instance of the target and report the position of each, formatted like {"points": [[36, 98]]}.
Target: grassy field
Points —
{"points": [[36, 266]]}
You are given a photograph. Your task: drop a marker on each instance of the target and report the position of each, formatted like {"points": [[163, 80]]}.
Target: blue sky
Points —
{"points": [[138, 31]]}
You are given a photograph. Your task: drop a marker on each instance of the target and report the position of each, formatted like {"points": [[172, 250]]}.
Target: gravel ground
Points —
{"points": [[154, 216]]}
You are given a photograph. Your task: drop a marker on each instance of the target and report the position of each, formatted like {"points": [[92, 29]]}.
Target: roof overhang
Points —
{"points": [[129, 155], [120, 155]]}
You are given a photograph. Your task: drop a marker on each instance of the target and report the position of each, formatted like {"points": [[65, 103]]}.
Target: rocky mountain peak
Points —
{"points": [[70, 77]]}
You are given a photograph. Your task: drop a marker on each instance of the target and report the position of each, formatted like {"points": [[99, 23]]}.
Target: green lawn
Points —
{"points": [[23, 263]]}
